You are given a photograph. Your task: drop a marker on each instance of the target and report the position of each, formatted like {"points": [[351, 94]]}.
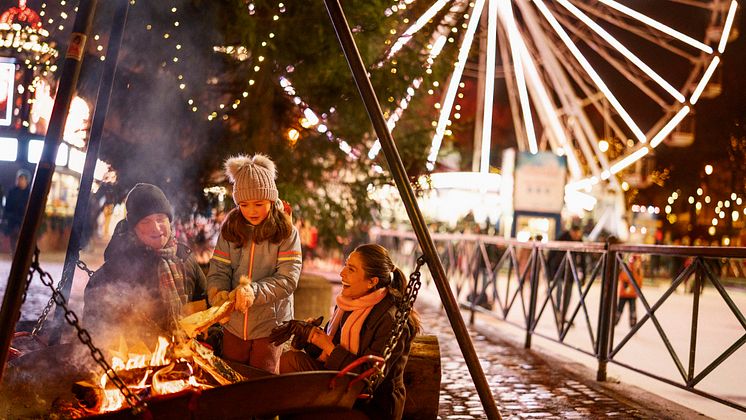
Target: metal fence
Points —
{"points": [[688, 335]]}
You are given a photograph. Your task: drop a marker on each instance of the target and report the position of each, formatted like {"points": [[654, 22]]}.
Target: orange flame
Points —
{"points": [[163, 381]]}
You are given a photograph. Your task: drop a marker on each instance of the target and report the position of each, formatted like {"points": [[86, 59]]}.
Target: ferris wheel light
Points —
{"points": [[624, 50], [489, 86], [727, 26], [657, 25], [506, 13], [586, 184], [590, 71], [407, 35], [666, 130], [549, 112], [705, 79], [458, 70], [630, 159]]}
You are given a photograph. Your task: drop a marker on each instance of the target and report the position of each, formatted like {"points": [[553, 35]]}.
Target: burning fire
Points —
{"points": [[148, 373]]}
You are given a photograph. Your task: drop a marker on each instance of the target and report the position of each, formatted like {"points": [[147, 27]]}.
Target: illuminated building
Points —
{"points": [[28, 61]]}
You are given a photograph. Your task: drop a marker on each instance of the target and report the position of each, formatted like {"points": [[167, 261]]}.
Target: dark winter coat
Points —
{"points": [[388, 399], [122, 297], [15, 207]]}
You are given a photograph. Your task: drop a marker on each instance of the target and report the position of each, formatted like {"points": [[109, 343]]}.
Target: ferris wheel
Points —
{"points": [[577, 72]]}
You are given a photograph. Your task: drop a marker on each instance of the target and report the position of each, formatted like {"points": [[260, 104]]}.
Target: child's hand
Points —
{"points": [[244, 295], [217, 297]]}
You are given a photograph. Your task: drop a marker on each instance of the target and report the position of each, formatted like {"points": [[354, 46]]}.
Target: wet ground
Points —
{"points": [[525, 385]]}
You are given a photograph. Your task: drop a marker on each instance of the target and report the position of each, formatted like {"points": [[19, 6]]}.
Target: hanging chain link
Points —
{"points": [[25, 291], [402, 316], [45, 313], [83, 266], [133, 400]]}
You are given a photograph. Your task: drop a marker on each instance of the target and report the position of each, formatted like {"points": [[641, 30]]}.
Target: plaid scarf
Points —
{"points": [[171, 279]]}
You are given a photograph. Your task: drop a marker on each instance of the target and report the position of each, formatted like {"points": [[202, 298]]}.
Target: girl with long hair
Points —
{"points": [[256, 263]]}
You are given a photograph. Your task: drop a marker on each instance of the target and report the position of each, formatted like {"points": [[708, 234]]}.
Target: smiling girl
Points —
{"points": [[362, 323], [256, 262]]}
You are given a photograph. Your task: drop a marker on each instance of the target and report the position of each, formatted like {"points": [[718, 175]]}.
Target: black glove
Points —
{"points": [[300, 330]]}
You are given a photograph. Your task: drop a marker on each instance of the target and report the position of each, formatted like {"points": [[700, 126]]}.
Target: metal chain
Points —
{"points": [[402, 316], [133, 400], [83, 266], [45, 313], [25, 291]]}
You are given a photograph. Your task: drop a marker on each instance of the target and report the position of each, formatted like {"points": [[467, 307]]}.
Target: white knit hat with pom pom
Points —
{"points": [[253, 177]]}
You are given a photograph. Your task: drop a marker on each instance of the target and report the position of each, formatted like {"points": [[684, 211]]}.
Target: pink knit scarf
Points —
{"points": [[360, 308]]}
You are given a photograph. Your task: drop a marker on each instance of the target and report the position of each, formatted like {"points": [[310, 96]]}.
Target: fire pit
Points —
{"points": [[63, 379]]}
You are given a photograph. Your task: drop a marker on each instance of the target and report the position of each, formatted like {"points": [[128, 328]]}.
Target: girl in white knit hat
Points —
{"points": [[256, 264]]}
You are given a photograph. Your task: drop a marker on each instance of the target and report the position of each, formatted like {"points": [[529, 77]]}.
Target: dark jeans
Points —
{"points": [[632, 310]]}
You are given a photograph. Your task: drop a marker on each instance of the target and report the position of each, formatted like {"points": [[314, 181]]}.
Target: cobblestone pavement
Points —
{"points": [[525, 385]]}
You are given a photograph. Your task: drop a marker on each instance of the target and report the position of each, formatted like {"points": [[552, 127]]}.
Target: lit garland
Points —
{"points": [[242, 53], [311, 119], [438, 40], [398, 7]]}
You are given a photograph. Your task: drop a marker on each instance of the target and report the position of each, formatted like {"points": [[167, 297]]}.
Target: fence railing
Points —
{"points": [[692, 329]]}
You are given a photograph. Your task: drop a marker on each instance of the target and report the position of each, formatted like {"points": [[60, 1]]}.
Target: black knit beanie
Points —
{"points": [[144, 200]]}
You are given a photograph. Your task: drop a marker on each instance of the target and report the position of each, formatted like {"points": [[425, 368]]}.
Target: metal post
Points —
{"points": [[698, 284], [368, 95], [533, 296], [608, 284], [82, 212], [11, 309]]}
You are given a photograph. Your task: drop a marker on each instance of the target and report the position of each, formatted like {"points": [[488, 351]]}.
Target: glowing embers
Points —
{"points": [[169, 368]]}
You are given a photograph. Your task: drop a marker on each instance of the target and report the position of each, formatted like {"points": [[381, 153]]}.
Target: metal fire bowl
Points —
{"points": [[32, 382]]}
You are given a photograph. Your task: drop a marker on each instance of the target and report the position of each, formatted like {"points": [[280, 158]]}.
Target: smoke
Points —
{"points": [[151, 132]]}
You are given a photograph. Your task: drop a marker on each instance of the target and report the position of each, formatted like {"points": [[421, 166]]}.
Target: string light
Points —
{"points": [[312, 120], [433, 50], [241, 53]]}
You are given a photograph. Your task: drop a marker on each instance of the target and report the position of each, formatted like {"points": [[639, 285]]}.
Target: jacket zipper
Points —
{"points": [[251, 276]]}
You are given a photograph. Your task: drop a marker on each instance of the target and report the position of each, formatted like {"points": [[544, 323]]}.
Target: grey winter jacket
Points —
{"points": [[275, 274]]}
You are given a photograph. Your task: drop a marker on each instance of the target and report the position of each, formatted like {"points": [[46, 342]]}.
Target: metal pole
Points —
{"points": [[82, 212], [533, 294], [608, 285], [12, 301], [368, 95]]}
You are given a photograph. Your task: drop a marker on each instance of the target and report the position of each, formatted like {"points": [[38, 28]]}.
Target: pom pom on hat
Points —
{"points": [[253, 177]]}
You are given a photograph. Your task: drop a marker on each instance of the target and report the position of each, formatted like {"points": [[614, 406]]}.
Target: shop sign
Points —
{"points": [[539, 182]]}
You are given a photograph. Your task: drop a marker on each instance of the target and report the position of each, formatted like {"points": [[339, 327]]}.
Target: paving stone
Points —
{"points": [[524, 386]]}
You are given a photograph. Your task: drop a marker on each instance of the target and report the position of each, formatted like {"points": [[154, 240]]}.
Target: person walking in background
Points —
{"points": [[627, 291], [564, 281], [15, 207], [256, 263]]}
